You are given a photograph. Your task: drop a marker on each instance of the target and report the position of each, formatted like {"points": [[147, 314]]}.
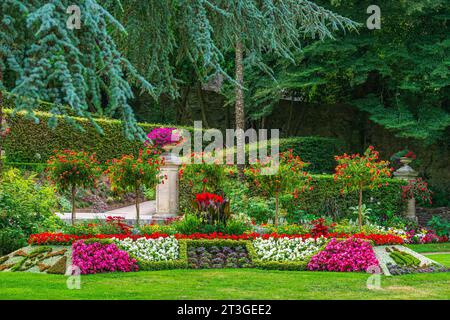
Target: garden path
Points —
{"points": [[147, 210]]}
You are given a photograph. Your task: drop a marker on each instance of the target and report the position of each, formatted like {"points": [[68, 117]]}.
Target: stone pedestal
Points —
{"points": [[167, 191], [407, 173]]}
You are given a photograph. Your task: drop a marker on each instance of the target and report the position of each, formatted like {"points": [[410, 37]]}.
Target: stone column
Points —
{"points": [[167, 191], [407, 173]]}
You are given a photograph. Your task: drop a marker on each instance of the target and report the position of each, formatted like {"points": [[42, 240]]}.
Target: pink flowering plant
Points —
{"points": [[97, 257], [344, 256], [164, 136]]}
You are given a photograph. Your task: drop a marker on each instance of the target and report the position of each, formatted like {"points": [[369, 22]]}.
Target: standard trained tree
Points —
{"points": [[69, 169], [130, 173], [287, 177], [359, 172]]}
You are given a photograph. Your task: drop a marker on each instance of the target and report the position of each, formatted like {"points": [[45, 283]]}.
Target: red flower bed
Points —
{"points": [[66, 239]]}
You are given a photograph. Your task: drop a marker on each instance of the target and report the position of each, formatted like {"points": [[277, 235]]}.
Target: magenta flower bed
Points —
{"points": [[344, 256], [95, 258]]}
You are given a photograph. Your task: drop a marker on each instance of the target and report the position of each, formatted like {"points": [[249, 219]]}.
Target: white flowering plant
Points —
{"points": [[159, 249], [287, 249]]}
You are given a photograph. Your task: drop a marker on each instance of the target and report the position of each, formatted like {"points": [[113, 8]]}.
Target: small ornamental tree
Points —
{"points": [[69, 169], [360, 172], [202, 176], [129, 173], [288, 177]]}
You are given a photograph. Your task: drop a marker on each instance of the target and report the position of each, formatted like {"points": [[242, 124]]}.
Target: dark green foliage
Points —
{"points": [[440, 225], [11, 239], [318, 151], [398, 75], [59, 267], [75, 70]]}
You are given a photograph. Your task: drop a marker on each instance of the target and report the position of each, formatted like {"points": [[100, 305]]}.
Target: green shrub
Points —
{"points": [[440, 225], [11, 239], [192, 224], [318, 151], [26, 207]]}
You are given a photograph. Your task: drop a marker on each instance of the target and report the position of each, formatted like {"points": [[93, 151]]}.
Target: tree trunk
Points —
{"points": [[360, 209], [202, 105], [74, 191], [239, 106], [137, 205], [276, 209]]}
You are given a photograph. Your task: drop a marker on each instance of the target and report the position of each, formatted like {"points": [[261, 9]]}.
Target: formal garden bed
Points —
{"points": [[351, 221]]}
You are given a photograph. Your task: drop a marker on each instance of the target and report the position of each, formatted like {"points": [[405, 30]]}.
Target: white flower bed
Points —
{"points": [[286, 249], [160, 249]]}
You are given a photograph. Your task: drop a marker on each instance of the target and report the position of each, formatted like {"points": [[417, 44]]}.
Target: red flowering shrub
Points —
{"points": [[129, 173], [206, 200], [319, 228], [212, 208], [119, 224], [69, 169], [287, 177], [359, 172], [417, 188]]}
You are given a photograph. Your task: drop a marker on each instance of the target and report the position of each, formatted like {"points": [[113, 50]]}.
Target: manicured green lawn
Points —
{"points": [[431, 247], [441, 258], [224, 284]]}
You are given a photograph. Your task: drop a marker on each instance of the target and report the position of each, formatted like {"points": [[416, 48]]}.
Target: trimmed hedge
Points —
{"points": [[326, 198], [31, 143], [34, 143], [319, 151]]}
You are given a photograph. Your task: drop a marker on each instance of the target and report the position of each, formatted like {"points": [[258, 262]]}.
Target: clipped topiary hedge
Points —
{"points": [[319, 151], [326, 198], [34, 143], [31, 143]]}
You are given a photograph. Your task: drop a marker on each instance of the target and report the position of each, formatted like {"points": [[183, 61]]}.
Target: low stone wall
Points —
{"points": [[425, 214]]}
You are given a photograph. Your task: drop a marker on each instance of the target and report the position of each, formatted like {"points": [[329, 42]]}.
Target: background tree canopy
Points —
{"points": [[399, 75]]}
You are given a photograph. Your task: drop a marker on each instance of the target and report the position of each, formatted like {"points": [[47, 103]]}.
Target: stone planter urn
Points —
{"points": [[167, 195], [407, 173]]}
